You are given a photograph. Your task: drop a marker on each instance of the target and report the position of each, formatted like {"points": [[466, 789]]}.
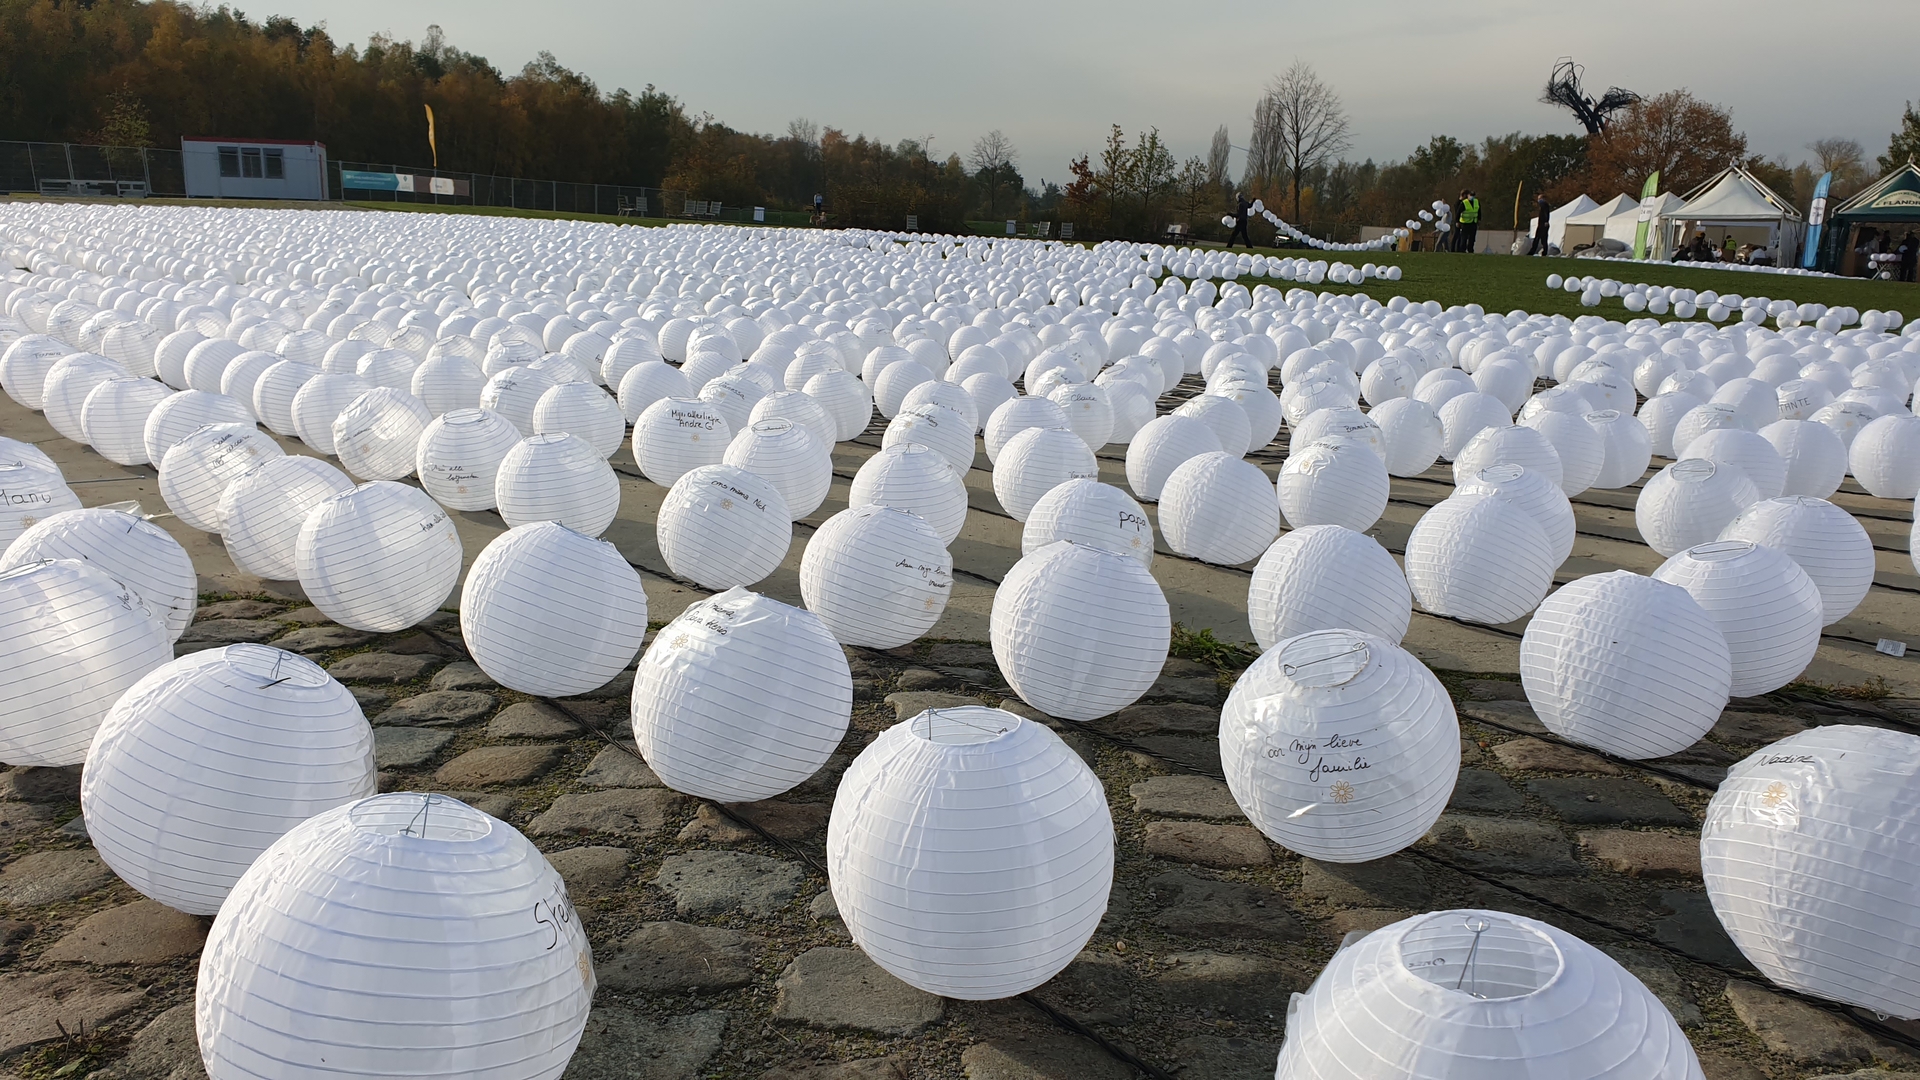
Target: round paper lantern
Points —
{"points": [[1034, 462], [1227, 419], [1410, 433], [1016, 416], [1089, 412], [68, 385], [1344, 421], [129, 548], [1846, 418], [29, 494], [1335, 481], [1713, 416], [797, 408], [557, 478], [243, 376], [1078, 631], [552, 612], [1625, 664], [741, 698], [114, 418], [647, 382], [208, 760], [1823, 540], [878, 576], [1661, 416], [1514, 444], [14, 450], [319, 403], [1754, 456], [446, 383], [195, 473], [722, 526], [1216, 508], [1808, 853], [1087, 511], [1766, 606], [514, 392], [1325, 577], [377, 436], [1627, 449], [891, 384], [1480, 558], [1815, 458], [676, 435], [624, 355], [207, 362], [263, 509], [459, 457], [584, 410], [1531, 492], [378, 558], [1689, 502], [1162, 446], [1340, 745], [1443, 994], [181, 414], [1466, 415], [1582, 450], [72, 640], [913, 478], [845, 398], [24, 367], [940, 428], [274, 391], [399, 935], [939, 392], [970, 921], [786, 456], [1885, 457]]}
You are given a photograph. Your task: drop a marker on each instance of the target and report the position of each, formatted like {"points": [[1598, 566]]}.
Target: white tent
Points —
{"points": [[1736, 204], [1626, 225], [1557, 221], [1588, 228]]}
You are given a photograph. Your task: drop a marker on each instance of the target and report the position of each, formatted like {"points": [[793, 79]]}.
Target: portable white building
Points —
{"points": [[253, 168]]}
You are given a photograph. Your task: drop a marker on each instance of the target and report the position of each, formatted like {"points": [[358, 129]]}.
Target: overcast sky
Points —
{"points": [[1054, 75]]}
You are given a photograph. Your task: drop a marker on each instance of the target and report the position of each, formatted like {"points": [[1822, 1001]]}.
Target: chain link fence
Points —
{"points": [[50, 168]]}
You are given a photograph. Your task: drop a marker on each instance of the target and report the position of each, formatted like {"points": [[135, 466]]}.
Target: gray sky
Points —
{"points": [[1053, 76]]}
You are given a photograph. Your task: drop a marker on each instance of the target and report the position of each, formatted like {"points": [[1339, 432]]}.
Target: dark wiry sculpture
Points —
{"points": [[1564, 90]]}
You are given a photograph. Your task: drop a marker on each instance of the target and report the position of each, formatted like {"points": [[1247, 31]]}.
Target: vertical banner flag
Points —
{"points": [[431, 145], [1648, 191], [1816, 217]]}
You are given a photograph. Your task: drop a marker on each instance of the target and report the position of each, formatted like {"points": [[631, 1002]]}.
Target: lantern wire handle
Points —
{"points": [[1478, 926], [931, 714], [276, 671], [420, 815], [1290, 670]]}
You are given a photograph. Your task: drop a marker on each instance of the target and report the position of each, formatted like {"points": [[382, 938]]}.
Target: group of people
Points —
{"points": [[1906, 252], [1700, 249]]}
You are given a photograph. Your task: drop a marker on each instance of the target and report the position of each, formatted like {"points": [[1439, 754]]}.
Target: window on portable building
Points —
{"points": [[229, 161], [250, 162], [276, 164]]}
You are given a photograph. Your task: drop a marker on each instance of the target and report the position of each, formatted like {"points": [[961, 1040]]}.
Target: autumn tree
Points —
{"points": [[1904, 146], [1298, 126], [992, 159], [1686, 140]]}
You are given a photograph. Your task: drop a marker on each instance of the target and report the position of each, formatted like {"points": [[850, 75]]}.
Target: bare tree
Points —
{"points": [[1299, 126], [1844, 158], [805, 132], [1217, 154], [992, 151]]}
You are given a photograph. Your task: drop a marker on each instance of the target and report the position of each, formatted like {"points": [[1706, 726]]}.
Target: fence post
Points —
{"points": [[68, 147], [146, 170]]}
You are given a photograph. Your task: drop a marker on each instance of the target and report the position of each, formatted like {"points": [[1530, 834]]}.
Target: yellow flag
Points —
{"points": [[431, 145]]}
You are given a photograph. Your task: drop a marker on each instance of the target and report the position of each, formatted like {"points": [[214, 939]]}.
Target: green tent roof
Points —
{"points": [[1894, 197]]}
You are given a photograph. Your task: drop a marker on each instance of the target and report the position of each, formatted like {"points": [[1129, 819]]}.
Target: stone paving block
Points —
{"points": [[1695, 930], [1223, 847], [635, 815], [910, 704], [219, 632], [1494, 690], [1755, 727], [1501, 845], [1203, 908], [167, 1048], [319, 639], [915, 678], [887, 1068], [40, 1006], [462, 675], [590, 869], [19, 818], [1659, 976], [51, 877], [1538, 755], [674, 957], [619, 767], [236, 609], [1245, 987], [1161, 718], [1517, 715], [1200, 755], [143, 932], [1393, 882], [840, 989], [1607, 801], [531, 720], [1230, 1058], [962, 654], [1042, 1055], [407, 747], [1652, 855], [1483, 791], [1366, 920], [625, 1044], [490, 765], [1185, 796], [781, 819], [439, 708], [719, 882], [1798, 1031], [382, 667], [1096, 988], [38, 784], [305, 616]]}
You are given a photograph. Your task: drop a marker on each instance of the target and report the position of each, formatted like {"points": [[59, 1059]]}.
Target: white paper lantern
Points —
{"points": [[1542, 501], [1815, 458], [1446, 994], [208, 760], [1808, 853], [1034, 462], [1846, 418], [676, 435], [514, 392], [647, 382], [964, 920], [274, 391], [243, 376], [262, 510], [1335, 481], [1766, 606], [72, 640], [1466, 415], [552, 612], [1162, 446], [1625, 664], [24, 367], [114, 418], [195, 473], [721, 526], [878, 576], [446, 383], [796, 407], [1823, 540], [938, 427], [1089, 512], [459, 457], [15, 450], [379, 558], [1228, 420], [1340, 745], [128, 548], [1216, 508], [741, 698], [845, 398], [1078, 631], [1627, 449], [30, 492], [400, 935], [1089, 412], [557, 478], [378, 435], [624, 355], [1325, 577], [1514, 444], [1582, 450], [319, 403], [913, 478], [1411, 434], [68, 385], [1016, 416], [1689, 502], [1885, 457], [1661, 416], [584, 410], [1480, 558], [787, 456], [207, 362], [1754, 456]]}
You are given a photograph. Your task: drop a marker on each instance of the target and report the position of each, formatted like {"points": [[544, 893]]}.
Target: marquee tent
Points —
{"points": [[1589, 228], [1889, 209], [1557, 222], [1736, 204]]}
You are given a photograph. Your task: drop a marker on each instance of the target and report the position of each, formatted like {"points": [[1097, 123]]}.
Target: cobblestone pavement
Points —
{"points": [[718, 947]]}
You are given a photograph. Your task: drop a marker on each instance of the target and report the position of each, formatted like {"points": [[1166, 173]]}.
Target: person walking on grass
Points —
{"points": [[1242, 210], [1467, 222], [1541, 211]]}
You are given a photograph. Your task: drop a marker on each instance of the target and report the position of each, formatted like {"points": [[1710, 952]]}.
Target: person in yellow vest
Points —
{"points": [[1467, 222], [1731, 249]]}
